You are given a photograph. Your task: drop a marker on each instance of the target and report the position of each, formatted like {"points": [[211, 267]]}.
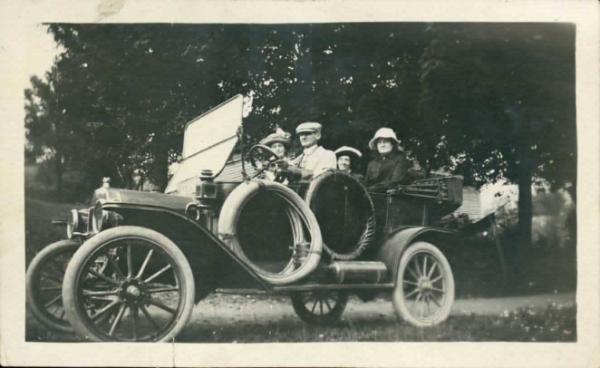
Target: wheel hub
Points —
{"points": [[424, 284], [133, 291]]}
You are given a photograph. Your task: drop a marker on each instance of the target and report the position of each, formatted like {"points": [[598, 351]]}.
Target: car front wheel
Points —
{"points": [[424, 291], [128, 283]]}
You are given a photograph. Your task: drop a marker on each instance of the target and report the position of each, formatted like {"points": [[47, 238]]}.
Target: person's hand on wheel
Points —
{"points": [[290, 172], [282, 164]]}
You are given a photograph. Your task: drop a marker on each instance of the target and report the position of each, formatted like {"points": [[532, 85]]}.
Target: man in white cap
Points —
{"points": [[390, 166], [314, 159]]}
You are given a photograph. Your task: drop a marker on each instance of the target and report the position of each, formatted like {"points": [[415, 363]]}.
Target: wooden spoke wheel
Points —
{"points": [[44, 284], [319, 307], [424, 291], [128, 284]]}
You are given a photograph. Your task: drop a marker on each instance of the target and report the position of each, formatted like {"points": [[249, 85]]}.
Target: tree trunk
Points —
{"points": [[525, 207], [58, 167], [158, 173], [523, 238]]}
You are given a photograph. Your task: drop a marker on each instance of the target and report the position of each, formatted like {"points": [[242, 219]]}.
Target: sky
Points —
{"points": [[41, 51]]}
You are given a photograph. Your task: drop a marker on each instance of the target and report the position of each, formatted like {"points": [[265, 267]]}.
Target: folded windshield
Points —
{"points": [[208, 141]]}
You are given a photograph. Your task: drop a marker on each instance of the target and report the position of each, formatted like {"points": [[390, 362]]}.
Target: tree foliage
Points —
{"points": [[484, 100]]}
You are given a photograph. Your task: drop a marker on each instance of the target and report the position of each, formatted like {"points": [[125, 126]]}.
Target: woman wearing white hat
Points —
{"points": [[390, 167], [279, 142], [346, 158]]}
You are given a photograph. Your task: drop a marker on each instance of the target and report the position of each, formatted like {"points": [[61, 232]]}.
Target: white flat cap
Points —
{"points": [[309, 126]]}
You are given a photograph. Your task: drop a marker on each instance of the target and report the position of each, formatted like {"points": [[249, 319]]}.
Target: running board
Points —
{"points": [[311, 287], [308, 287], [242, 291]]}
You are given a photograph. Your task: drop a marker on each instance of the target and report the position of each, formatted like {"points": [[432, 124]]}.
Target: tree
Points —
{"points": [[504, 103], [47, 125], [487, 101]]}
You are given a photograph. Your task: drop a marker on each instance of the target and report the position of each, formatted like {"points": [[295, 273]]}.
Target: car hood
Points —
{"points": [[148, 199]]}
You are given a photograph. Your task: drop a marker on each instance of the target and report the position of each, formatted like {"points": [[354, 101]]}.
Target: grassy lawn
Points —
{"points": [[553, 324], [477, 271], [39, 230]]}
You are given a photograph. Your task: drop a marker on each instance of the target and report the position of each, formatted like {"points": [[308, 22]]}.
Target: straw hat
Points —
{"points": [[279, 136], [384, 133]]}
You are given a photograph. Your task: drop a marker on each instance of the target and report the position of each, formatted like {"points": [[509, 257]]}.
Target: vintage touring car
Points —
{"points": [[135, 263]]}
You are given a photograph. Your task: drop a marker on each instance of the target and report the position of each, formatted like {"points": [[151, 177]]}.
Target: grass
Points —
{"points": [[39, 231], [524, 325], [554, 324], [477, 271]]}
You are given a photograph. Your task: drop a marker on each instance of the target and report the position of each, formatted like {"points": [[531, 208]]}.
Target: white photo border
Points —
{"points": [[20, 17]]}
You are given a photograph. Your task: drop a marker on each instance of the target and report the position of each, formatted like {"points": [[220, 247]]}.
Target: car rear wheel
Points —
{"points": [[319, 307], [128, 283], [424, 291], [44, 284]]}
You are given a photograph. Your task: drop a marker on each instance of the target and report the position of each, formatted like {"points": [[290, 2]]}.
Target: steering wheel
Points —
{"points": [[261, 157]]}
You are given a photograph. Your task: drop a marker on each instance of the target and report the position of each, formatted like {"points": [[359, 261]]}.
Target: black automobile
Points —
{"points": [[135, 263]]}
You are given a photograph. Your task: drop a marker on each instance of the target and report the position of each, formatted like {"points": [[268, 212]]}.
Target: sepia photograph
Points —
{"points": [[420, 175], [302, 182]]}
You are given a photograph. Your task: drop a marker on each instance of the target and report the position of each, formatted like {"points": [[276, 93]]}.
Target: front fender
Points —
{"points": [[399, 240], [207, 254]]}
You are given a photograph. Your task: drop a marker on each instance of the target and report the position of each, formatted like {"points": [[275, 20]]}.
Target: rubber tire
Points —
{"points": [[229, 217], [400, 307], [36, 265], [79, 322], [368, 236], [315, 319]]}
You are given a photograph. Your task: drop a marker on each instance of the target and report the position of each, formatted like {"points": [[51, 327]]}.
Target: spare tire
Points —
{"points": [[300, 218], [345, 212]]}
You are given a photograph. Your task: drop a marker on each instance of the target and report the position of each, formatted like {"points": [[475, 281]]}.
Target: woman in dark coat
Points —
{"points": [[391, 166]]}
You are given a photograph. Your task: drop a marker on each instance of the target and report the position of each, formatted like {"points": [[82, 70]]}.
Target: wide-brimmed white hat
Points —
{"points": [[308, 127], [349, 151], [279, 136], [384, 133]]}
